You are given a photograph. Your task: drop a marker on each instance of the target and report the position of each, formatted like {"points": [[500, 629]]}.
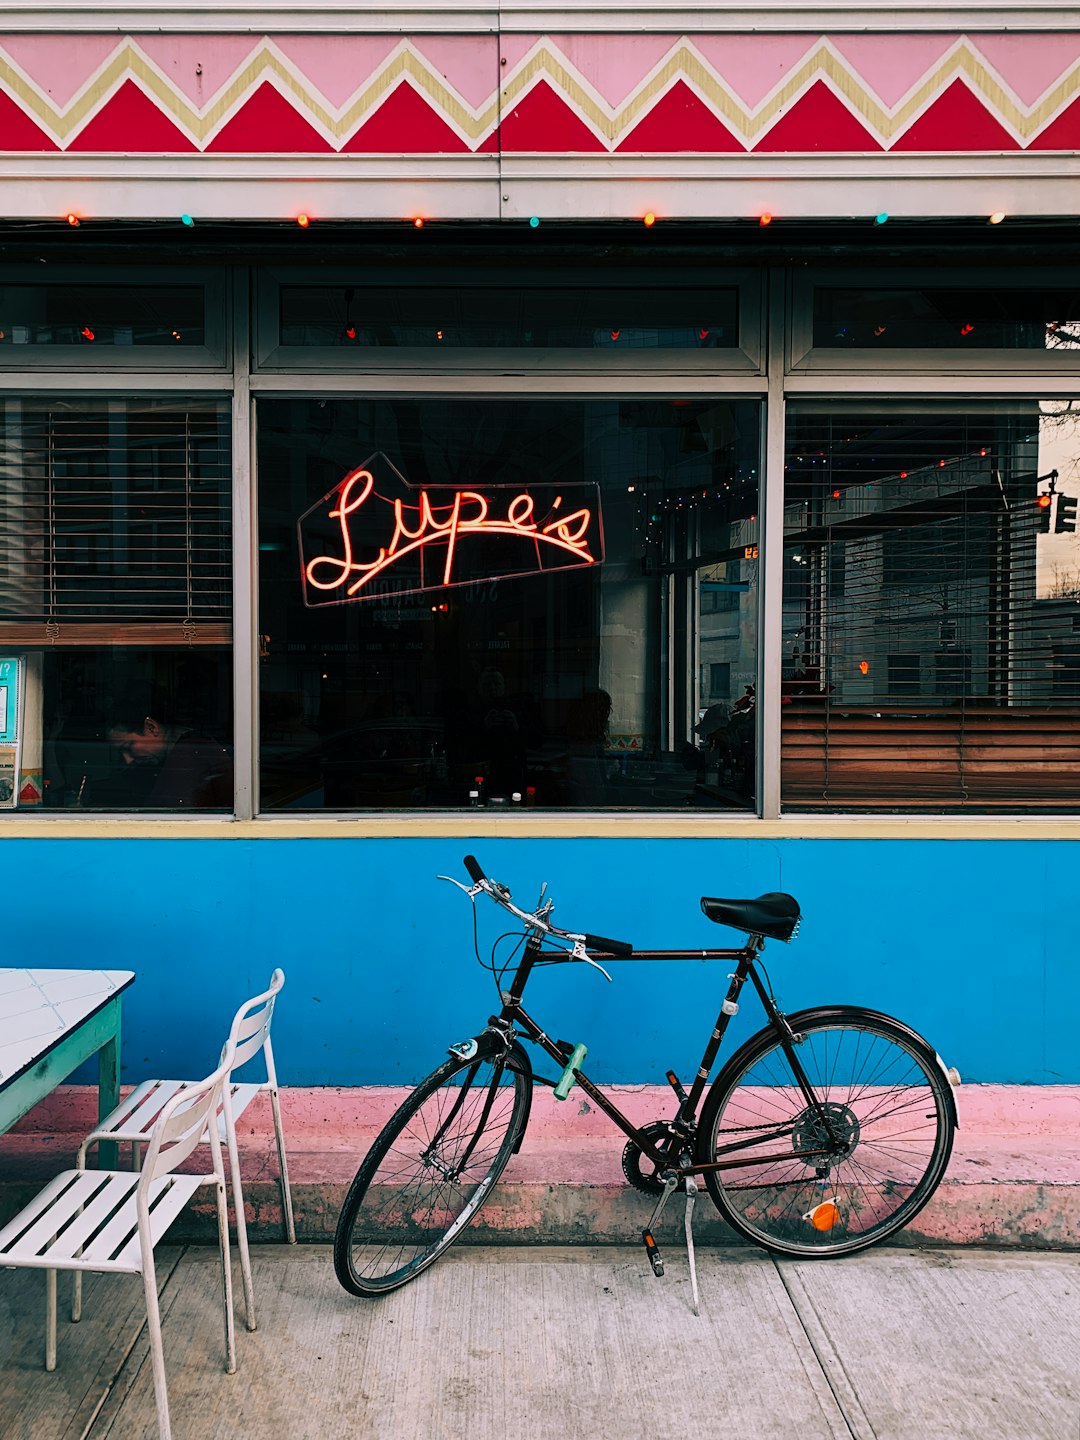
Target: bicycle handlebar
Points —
{"points": [[609, 947], [501, 896]]}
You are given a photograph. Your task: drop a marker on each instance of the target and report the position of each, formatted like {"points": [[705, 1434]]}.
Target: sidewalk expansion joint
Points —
{"points": [[850, 1410]]}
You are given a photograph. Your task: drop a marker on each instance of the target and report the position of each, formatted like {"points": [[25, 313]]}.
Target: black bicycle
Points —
{"points": [[825, 1133]]}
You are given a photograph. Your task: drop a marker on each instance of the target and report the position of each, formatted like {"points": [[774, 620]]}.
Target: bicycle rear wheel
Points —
{"points": [[430, 1170], [887, 1127]]}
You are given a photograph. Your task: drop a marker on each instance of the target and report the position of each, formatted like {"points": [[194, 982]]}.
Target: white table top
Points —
{"points": [[39, 1007]]}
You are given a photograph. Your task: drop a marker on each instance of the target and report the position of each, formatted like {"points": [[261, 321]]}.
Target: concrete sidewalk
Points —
{"points": [[538, 1341]]}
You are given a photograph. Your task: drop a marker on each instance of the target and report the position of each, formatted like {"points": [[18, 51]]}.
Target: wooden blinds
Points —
{"points": [[114, 523]]}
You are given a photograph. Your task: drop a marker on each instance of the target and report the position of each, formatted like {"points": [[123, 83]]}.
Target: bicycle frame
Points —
{"points": [[514, 1014]]}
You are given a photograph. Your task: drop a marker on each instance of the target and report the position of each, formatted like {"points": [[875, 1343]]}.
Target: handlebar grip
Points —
{"points": [[472, 865], [609, 947]]}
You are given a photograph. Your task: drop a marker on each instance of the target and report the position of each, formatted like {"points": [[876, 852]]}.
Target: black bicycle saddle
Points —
{"points": [[774, 915]]}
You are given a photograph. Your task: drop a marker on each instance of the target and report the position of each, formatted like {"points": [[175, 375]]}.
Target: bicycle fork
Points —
{"points": [[652, 1250]]}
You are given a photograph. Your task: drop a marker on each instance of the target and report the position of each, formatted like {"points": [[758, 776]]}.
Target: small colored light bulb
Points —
{"points": [[418, 222], [882, 218], [649, 220], [72, 218], [997, 217], [303, 221], [534, 222], [187, 220], [765, 218]]}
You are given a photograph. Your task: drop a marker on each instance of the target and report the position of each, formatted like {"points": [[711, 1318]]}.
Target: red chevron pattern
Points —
{"points": [[818, 120], [680, 121], [579, 94], [132, 122]]}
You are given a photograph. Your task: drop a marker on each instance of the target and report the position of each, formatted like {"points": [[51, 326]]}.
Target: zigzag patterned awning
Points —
{"points": [[520, 95]]}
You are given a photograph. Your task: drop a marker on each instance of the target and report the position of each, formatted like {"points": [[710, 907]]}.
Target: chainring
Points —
{"points": [[639, 1170]]}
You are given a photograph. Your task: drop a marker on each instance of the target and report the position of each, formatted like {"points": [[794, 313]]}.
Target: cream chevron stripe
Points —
{"points": [[472, 124], [822, 62], [265, 63], [544, 62]]}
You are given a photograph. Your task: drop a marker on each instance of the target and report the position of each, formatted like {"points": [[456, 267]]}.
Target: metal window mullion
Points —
{"points": [[244, 573], [771, 561]]}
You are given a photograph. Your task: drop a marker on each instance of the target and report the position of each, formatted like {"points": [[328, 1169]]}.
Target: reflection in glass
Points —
{"points": [[447, 660], [89, 316], [448, 317], [116, 592], [945, 318], [931, 581]]}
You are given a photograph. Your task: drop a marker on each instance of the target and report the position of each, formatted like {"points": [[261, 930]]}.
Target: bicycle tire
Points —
{"points": [[891, 1107], [406, 1206]]}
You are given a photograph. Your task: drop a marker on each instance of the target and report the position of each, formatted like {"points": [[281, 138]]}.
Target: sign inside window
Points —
{"points": [[376, 535], [9, 730]]}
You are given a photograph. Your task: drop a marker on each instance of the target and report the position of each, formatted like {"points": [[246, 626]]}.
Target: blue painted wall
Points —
{"points": [[972, 942]]}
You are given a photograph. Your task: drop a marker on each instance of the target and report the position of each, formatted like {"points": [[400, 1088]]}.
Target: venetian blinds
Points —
{"points": [[114, 523], [932, 608]]}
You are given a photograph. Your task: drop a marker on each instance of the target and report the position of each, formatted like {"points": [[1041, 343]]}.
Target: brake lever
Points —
{"points": [[578, 953], [469, 890]]}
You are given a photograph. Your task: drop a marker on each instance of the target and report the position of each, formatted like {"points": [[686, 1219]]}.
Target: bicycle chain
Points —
{"points": [[633, 1157]]}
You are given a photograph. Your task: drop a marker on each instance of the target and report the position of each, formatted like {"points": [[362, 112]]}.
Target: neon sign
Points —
{"points": [[374, 525]]}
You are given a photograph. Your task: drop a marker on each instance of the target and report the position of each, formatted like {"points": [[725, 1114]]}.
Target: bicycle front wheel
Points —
{"points": [[842, 1173], [430, 1170]]}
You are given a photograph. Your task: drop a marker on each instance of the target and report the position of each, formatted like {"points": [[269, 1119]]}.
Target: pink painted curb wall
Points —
{"points": [[1014, 1178]]}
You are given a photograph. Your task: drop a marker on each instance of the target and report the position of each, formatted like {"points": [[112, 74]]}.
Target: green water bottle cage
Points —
{"points": [[566, 1081]]}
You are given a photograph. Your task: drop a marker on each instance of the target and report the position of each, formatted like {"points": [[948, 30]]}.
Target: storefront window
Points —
{"points": [[507, 603], [931, 601], [110, 317], [935, 317], [115, 604], [95, 315], [360, 316]]}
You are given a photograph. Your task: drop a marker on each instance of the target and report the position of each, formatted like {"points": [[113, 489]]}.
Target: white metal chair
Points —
{"points": [[111, 1220], [135, 1116]]}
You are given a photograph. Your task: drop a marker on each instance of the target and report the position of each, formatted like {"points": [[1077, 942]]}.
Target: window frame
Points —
{"points": [[269, 356], [215, 354]]}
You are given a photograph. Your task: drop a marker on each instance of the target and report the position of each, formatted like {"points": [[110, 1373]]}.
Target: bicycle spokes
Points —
{"points": [[846, 1169]]}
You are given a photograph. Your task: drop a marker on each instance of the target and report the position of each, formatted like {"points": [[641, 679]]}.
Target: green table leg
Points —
{"points": [[109, 1087]]}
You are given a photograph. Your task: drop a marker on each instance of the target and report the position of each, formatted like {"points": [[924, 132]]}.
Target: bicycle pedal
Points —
{"points": [[653, 1252]]}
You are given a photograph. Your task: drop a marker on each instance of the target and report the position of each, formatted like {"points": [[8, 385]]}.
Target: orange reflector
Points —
{"points": [[824, 1216]]}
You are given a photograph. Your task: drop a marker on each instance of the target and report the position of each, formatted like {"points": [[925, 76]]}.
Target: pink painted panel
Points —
{"points": [[614, 65], [724, 107], [470, 63], [753, 65], [340, 69], [1029, 63], [891, 70], [59, 65], [198, 65]]}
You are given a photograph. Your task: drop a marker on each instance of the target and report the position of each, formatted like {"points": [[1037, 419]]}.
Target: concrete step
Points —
{"points": [[1013, 1181]]}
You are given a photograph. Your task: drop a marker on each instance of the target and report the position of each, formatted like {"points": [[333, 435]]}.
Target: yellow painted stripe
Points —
{"points": [[529, 826]]}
